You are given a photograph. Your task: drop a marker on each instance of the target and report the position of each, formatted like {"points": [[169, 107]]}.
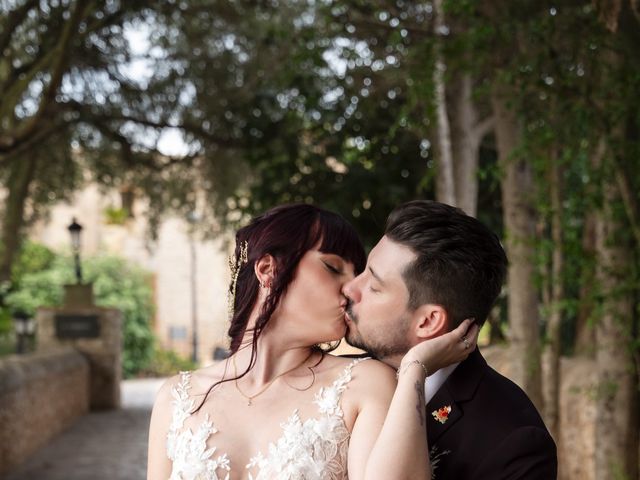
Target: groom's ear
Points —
{"points": [[430, 321]]}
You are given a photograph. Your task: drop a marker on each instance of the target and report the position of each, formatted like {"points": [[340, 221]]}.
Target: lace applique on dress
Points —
{"points": [[315, 449], [188, 451]]}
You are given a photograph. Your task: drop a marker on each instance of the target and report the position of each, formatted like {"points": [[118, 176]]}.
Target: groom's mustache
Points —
{"points": [[349, 309]]}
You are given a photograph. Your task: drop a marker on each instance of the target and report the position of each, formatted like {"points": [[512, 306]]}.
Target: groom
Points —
{"points": [[449, 265]]}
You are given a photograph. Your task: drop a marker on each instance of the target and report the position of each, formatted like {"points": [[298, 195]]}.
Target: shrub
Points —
{"points": [[39, 277], [166, 363]]}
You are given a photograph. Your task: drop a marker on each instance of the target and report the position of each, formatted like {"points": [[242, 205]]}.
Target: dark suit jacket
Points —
{"points": [[493, 431]]}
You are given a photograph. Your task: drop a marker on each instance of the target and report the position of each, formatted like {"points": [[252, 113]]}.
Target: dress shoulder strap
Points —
{"points": [[328, 398], [182, 404]]}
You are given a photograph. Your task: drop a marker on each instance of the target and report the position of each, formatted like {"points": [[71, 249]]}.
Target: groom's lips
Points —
{"points": [[347, 318]]}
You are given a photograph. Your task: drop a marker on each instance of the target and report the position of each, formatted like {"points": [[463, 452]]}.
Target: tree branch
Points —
{"points": [[190, 128], [628, 199], [148, 161], [10, 141], [14, 21], [40, 136], [482, 128]]}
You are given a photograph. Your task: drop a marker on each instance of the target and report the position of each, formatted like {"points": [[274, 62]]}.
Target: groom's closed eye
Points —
{"points": [[376, 276]]}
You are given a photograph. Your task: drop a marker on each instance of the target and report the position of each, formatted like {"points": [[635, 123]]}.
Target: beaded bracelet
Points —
{"points": [[403, 368]]}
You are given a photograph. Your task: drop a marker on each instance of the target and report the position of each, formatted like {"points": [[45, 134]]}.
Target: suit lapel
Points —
{"points": [[441, 399], [459, 388]]}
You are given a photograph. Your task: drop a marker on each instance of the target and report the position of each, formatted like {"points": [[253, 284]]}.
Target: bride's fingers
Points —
{"points": [[465, 332], [464, 327], [470, 341], [472, 335], [467, 337]]}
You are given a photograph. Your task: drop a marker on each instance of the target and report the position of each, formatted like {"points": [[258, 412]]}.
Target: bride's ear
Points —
{"points": [[430, 321], [265, 270]]}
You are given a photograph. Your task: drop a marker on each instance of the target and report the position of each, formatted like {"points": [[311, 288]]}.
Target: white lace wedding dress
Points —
{"points": [[315, 449]]}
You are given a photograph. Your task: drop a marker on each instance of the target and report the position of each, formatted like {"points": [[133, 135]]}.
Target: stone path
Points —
{"points": [[102, 445]]}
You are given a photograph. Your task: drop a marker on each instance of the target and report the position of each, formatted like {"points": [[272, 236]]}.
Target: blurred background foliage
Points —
{"points": [[38, 278], [525, 114]]}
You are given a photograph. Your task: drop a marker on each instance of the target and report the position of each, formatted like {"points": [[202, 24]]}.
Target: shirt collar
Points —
{"points": [[434, 381]]}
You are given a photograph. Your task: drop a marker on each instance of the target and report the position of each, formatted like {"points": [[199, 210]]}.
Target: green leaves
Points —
{"points": [[38, 279]]}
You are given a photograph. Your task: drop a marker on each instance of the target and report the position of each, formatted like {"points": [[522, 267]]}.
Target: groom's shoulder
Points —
{"points": [[503, 385], [500, 392]]}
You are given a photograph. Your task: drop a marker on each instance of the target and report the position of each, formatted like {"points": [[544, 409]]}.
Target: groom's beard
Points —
{"points": [[378, 343]]}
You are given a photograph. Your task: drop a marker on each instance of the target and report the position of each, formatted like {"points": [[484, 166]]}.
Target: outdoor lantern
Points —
{"points": [[24, 326], [75, 229]]}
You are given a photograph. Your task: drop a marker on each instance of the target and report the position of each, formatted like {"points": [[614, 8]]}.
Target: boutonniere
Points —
{"points": [[442, 414]]}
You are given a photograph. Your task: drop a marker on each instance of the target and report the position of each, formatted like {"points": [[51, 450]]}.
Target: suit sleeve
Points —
{"points": [[528, 453]]}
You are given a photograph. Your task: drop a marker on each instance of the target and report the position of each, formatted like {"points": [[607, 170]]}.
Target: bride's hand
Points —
{"points": [[452, 347]]}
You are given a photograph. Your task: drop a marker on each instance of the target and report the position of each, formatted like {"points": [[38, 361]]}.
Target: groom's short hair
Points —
{"points": [[460, 263]]}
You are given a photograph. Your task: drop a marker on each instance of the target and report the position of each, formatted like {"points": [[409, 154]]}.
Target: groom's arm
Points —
{"points": [[528, 453]]}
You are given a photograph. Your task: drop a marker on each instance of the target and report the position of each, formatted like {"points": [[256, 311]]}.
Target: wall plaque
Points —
{"points": [[77, 326]]}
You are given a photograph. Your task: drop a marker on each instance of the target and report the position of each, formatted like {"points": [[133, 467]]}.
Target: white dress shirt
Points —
{"points": [[434, 381]]}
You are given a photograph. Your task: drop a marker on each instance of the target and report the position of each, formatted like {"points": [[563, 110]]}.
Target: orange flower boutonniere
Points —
{"points": [[442, 414]]}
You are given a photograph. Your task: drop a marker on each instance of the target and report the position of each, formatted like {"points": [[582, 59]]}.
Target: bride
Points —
{"points": [[281, 407]]}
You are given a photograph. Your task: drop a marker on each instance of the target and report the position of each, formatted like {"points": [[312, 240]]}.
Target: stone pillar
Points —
{"points": [[96, 333]]}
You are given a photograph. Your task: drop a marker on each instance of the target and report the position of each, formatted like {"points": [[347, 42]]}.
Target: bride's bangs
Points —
{"points": [[338, 237]]}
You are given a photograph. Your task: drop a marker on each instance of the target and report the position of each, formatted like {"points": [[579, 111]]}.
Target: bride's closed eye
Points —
{"points": [[331, 268]]}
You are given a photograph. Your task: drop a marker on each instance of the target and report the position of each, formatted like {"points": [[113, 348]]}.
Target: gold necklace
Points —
{"points": [[264, 389]]}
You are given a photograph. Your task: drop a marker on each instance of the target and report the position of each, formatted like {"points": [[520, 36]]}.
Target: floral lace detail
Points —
{"points": [[434, 458], [315, 449], [188, 450]]}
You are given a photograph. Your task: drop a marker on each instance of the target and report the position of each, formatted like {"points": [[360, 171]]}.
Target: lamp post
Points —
{"points": [[75, 230], [24, 326], [193, 218]]}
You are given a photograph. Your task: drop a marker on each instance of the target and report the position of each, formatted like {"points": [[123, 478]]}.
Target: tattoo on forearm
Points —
{"points": [[420, 405]]}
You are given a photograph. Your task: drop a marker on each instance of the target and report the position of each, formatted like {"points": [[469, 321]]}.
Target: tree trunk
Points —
{"points": [[445, 186], [551, 381], [617, 399], [20, 178], [585, 332], [585, 338], [496, 335], [519, 223], [467, 135], [465, 145]]}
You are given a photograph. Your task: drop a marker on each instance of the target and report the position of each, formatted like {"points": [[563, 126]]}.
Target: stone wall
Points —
{"points": [[41, 394], [104, 352]]}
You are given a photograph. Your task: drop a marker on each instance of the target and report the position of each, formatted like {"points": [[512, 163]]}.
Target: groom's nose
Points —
{"points": [[351, 290]]}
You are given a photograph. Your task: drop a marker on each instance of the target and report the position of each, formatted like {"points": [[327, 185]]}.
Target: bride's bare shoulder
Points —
{"points": [[203, 378], [194, 382]]}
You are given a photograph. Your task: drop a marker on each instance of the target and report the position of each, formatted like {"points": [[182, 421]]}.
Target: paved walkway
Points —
{"points": [[101, 445]]}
